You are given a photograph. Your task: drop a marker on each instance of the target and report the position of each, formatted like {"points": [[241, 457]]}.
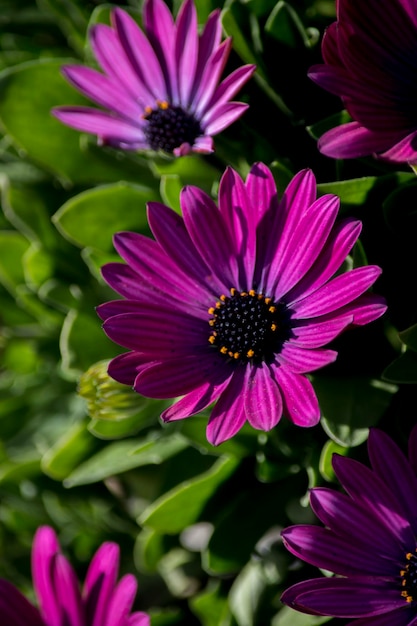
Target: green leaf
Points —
{"points": [[351, 192], [170, 191], [190, 170], [181, 506], [403, 369], [12, 248], [93, 217], [230, 20], [28, 92], [125, 455], [289, 617], [38, 266], [350, 406], [318, 129], [409, 337], [83, 342], [67, 453], [246, 593], [211, 606], [325, 463], [285, 25]]}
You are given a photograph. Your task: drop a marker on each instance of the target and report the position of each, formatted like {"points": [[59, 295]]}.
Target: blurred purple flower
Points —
{"points": [[102, 602], [161, 89], [370, 56], [235, 303], [369, 540]]}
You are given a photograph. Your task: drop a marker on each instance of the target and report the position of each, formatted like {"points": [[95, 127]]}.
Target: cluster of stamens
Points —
{"points": [[169, 127], [409, 577], [246, 325]]}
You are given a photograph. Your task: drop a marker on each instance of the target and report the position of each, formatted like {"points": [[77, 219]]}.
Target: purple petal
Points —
{"points": [[220, 117], [112, 58], [160, 334], [67, 590], [170, 232], [322, 548], [196, 400], [300, 401], [186, 50], [404, 616], [228, 415], [44, 552], [352, 140], [262, 398], [301, 361], [209, 234], [297, 198], [161, 31], [101, 123], [102, 90], [365, 487], [349, 519], [139, 619], [338, 245], [393, 468], [100, 582], [318, 333], [344, 597], [336, 293], [412, 448], [124, 367], [140, 54], [121, 601], [229, 87], [209, 42], [306, 243], [210, 78], [203, 145], [403, 151], [15, 610], [179, 376], [240, 218]]}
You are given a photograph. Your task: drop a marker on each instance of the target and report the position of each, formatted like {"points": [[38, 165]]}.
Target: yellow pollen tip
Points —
{"points": [[233, 291], [409, 556], [236, 355], [272, 309], [250, 353], [211, 310], [148, 111], [163, 104], [212, 322], [261, 296], [252, 293], [268, 300], [273, 327], [223, 298], [223, 350], [243, 293], [212, 339], [218, 305]]}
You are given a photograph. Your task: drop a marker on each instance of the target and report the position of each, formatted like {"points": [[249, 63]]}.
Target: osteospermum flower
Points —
{"points": [[102, 601], [234, 303], [160, 87], [370, 56], [369, 540]]}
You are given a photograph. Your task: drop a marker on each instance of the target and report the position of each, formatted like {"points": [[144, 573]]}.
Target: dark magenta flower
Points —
{"points": [[234, 303], [160, 86], [102, 602], [370, 56], [368, 540]]}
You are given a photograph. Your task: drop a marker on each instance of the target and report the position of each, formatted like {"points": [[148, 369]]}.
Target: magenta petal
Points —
{"points": [[300, 401], [161, 31], [301, 361], [100, 123], [315, 334], [196, 400], [139, 619], [353, 140], [221, 116], [100, 582], [121, 601], [343, 597], [404, 151], [262, 398], [210, 77], [44, 552], [15, 610], [67, 590], [228, 415], [186, 49], [393, 468], [124, 367]]}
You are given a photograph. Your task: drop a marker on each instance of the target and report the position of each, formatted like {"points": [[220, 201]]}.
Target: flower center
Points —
{"points": [[248, 326], [170, 126], [409, 577]]}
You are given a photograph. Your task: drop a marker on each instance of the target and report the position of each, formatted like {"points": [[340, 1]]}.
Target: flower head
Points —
{"points": [[160, 86], [369, 540], [234, 303], [102, 602], [370, 58]]}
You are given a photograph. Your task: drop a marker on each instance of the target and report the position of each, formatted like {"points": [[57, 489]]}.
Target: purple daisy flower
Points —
{"points": [[161, 89], [102, 602], [370, 56], [369, 540], [234, 303]]}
